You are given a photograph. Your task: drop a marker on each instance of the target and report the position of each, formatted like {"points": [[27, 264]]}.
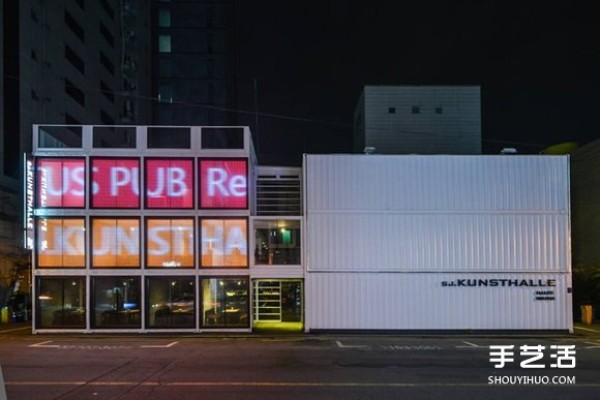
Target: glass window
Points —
{"points": [[114, 137], [60, 137], [60, 242], [170, 243], [224, 243], [277, 242], [165, 93], [171, 302], [60, 182], [115, 302], [164, 43], [116, 183], [164, 18], [225, 302], [116, 243], [60, 302], [222, 138], [169, 183], [169, 138]]}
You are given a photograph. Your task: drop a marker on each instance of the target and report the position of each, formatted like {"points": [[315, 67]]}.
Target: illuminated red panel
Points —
{"points": [[169, 183], [224, 183], [116, 183], [60, 182]]}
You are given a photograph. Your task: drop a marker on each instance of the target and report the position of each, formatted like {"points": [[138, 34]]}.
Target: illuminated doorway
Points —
{"points": [[278, 304]]}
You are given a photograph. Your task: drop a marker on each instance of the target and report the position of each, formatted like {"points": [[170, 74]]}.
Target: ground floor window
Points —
{"points": [[225, 302], [171, 302], [61, 302], [115, 302]]}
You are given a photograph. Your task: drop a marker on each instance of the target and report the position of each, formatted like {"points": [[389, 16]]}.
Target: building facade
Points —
{"points": [[138, 235], [132, 233], [418, 120]]}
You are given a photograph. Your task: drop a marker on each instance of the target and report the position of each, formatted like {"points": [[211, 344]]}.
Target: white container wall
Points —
{"points": [[398, 301], [374, 224]]}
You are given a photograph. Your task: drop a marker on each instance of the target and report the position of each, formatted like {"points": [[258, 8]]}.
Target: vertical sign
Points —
{"points": [[115, 183], [224, 183], [28, 204], [169, 183]]}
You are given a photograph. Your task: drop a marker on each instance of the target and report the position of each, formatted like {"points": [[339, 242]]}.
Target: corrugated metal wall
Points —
{"points": [[369, 217], [418, 301]]}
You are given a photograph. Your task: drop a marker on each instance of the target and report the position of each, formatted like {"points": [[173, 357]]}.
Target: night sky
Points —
{"points": [[537, 66]]}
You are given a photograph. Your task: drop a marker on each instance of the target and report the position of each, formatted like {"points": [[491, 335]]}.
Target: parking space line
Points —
{"points": [[15, 330], [159, 345], [46, 345], [2, 387], [587, 329], [343, 346], [469, 345]]}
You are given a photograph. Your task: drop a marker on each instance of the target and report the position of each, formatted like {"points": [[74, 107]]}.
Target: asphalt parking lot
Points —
{"points": [[260, 366]]}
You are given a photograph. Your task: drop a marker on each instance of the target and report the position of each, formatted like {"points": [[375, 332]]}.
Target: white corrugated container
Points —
{"points": [[379, 229], [399, 301]]}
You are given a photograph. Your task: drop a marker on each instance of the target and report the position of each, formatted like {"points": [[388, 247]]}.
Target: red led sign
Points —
{"points": [[116, 183], [224, 183], [169, 183], [60, 182]]}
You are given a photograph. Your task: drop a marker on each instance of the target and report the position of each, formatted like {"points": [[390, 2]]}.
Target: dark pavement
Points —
{"points": [[153, 366]]}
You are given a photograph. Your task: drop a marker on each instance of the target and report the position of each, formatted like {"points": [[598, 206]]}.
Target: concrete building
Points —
{"points": [[65, 62], [418, 120]]}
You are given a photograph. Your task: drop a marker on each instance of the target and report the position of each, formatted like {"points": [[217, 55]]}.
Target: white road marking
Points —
{"points": [[46, 345], [587, 329], [343, 346], [2, 387], [159, 345], [16, 329], [470, 346]]}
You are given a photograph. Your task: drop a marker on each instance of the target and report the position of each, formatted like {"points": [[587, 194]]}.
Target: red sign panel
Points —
{"points": [[169, 183], [60, 182], [224, 183], [116, 183]]}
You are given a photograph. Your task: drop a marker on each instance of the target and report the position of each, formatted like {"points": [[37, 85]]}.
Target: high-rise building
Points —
{"points": [[418, 120], [193, 62], [65, 62]]}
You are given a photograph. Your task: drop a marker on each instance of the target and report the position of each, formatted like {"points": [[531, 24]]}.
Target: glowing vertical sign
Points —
{"points": [[224, 183], [28, 205]]}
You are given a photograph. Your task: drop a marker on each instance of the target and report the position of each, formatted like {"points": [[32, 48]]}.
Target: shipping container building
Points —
{"points": [[178, 229]]}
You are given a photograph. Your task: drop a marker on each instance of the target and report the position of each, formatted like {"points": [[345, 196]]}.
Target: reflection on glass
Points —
{"points": [[277, 242], [116, 302], [225, 302], [171, 302], [61, 302]]}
